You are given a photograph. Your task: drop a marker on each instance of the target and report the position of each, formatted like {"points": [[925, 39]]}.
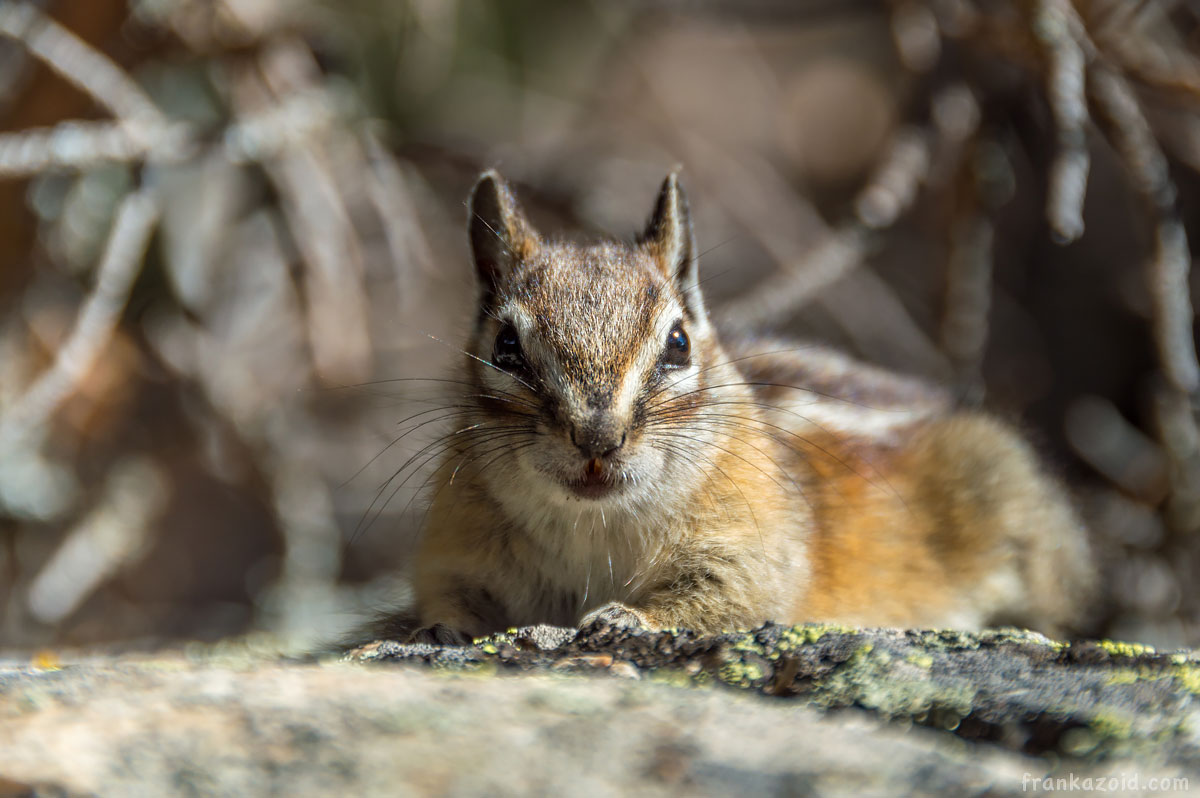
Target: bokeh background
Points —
{"points": [[232, 242]]}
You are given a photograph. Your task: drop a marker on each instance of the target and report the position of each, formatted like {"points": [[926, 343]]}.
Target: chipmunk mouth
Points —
{"points": [[598, 481]]}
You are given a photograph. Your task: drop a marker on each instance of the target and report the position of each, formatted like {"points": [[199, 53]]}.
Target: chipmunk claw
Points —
{"points": [[439, 634], [618, 616]]}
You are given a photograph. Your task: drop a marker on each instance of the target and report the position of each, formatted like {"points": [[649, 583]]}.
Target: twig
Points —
{"points": [[956, 115], [784, 222], [1125, 455], [134, 222], [968, 300], [320, 222], [894, 186], [881, 327], [916, 35], [1054, 23], [778, 297], [78, 62], [1167, 275], [1171, 263], [293, 120], [890, 192], [70, 145], [392, 199], [112, 534], [1175, 422], [1174, 316], [985, 183], [886, 197], [149, 132]]}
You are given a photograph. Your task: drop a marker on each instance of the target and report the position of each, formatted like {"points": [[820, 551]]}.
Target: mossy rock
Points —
{"points": [[1019, 690]]}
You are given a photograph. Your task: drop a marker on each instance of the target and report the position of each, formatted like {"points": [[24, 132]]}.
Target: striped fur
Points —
{"points": [[764, 480]]}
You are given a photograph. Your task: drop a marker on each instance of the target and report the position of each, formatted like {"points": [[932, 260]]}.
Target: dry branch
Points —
{"points": [[894, 186], [1169, 267], [778, 297], [132, 226], [968, 300], [393, 202], [69, 145], [79, 63], [1054, 23], [916, 35], [258, 134], [886, 196], [319, 220]]}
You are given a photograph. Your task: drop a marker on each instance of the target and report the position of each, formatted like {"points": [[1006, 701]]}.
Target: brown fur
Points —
{"points": [[764, 482]]}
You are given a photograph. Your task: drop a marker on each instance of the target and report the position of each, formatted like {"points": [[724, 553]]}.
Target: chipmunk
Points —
{"points": [[616, 461]]}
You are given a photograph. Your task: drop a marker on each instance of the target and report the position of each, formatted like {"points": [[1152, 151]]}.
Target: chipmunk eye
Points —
{"points": [[506, 353], [678, 348]]}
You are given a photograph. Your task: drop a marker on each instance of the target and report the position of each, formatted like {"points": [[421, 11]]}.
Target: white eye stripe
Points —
{"points": [[649, 358]]}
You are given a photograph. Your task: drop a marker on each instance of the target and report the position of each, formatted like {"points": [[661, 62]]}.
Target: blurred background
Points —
{"points": [[232, 242]]}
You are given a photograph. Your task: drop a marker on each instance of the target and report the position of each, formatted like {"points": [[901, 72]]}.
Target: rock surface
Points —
{"points": [[816, 711]]}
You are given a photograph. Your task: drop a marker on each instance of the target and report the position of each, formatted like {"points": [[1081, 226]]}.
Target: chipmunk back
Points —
{"points": [[613, 459]]}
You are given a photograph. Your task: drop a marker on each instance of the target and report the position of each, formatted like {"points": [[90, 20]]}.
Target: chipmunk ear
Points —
{"points": [[500, 234], [668, 238]]}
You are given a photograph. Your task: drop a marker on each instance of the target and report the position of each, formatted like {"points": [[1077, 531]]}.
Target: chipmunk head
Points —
{"points": [[588, 358]]}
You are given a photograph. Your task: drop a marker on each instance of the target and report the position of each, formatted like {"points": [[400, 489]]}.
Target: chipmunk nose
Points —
{"points": [[599, 438]]}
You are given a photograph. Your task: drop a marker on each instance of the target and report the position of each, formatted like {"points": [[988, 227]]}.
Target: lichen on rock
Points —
{"points": [[1007, 687]]}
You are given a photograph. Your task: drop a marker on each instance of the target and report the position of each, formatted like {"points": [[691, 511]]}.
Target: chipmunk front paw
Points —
{"points": [[618, 616], [439, 634]]}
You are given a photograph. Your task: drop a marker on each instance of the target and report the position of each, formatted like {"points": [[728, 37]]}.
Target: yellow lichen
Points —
{"points": [[806, 634], [1111, 727], [1188, 677], [865, 679], [740, 674], [1122, 649], [748, 644]]}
